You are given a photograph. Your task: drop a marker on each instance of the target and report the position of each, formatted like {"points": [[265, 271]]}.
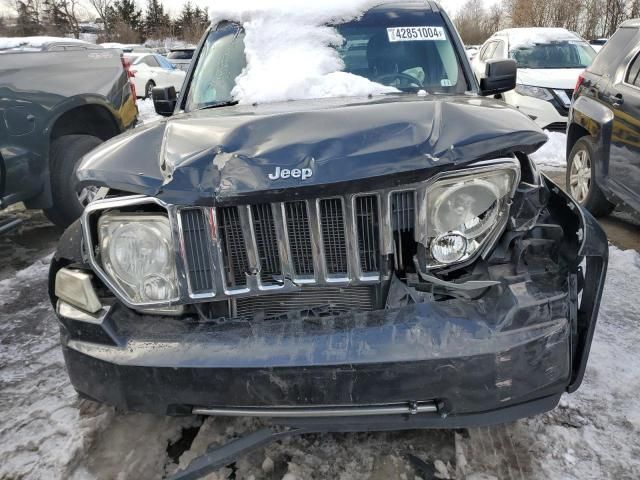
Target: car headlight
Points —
{"points": [[462, 213], [535, 92], [137, 254]]}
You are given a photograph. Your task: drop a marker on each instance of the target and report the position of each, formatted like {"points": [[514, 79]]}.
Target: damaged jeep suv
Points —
{"points": [[383, 261]]}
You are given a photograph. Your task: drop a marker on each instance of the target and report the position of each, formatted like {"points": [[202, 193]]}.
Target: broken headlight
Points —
{"points": [[137, 254], [463, 211]]}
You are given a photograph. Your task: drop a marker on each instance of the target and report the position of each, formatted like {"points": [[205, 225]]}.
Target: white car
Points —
{"points": [[549, 63], [152, 70]]}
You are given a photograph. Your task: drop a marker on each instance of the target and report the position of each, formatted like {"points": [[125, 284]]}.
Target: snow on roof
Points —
{"points": [[289, 49], [33, 43], [525, 37]]}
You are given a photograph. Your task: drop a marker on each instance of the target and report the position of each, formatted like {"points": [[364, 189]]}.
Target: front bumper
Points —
{"points": [[479, 361], [543, 112]]}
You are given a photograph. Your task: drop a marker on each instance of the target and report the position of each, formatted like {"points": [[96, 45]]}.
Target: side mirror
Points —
{"points": [[500, 76], [164, 100]]}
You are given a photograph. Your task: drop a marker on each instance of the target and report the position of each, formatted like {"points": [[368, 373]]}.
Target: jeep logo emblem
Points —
{"points": [[302, 173]]}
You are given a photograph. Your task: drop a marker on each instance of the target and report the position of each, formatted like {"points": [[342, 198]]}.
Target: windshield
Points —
{"points": [[180, 55], [409, 58], [568, 54]]}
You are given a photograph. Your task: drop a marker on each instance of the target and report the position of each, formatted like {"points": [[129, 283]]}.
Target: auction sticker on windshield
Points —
{"points": [[409, 34]]}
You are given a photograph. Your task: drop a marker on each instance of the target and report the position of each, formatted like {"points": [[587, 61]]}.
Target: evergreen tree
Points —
{"points": [[125, 12], [156, 20]]}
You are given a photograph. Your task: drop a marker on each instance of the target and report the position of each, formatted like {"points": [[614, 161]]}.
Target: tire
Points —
{"points": [[581, 175], [64, 156], [148, 88]]}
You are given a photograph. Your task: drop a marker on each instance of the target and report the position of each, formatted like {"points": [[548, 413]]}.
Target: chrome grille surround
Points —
{"points": [[293, 277]]}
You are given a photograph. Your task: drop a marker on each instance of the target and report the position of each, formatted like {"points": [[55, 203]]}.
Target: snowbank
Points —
{"points": [[552, 155], [289, 49]]}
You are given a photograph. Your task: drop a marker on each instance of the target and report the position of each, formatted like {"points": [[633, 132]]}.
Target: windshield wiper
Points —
{"points": [[225, 103]]}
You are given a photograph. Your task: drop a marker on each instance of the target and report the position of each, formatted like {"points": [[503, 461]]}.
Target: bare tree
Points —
{"points": [[102, 7]]}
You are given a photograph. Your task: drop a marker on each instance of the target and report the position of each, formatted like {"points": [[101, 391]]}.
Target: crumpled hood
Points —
{"points": [[561, 78], [221, 155]]}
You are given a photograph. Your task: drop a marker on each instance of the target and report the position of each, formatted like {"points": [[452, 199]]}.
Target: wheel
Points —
{"points": [[68, 200], [581, 183], [148, 88]]}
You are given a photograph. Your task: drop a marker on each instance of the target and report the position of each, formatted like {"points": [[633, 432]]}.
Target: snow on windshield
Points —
{"points": [[528, 37], [289, 49]]}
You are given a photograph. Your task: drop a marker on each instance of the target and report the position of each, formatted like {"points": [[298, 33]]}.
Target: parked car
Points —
{"points": [[181, 57], [549, 62], [356, 263], [603, 138], [127, 47], [153, 70], [598, 43], [43, 44], [56, 106]]}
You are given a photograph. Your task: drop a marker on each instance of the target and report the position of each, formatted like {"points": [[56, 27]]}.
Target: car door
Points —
{"points": [[480, 61], [175, 77], [156, 72], [623, 96]]}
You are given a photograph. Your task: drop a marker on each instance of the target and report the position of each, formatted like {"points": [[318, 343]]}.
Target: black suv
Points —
{"points": [[357, 262], [603, 142]]}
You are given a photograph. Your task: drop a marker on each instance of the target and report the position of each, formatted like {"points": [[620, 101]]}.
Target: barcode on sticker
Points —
{"points": [[412, 34]]}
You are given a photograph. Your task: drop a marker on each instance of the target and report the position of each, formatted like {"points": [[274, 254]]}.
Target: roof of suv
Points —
{"points": [[633, 23]]}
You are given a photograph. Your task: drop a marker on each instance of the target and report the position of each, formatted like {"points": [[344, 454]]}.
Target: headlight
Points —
{"points": [[137, 253], [463, 211], [535, 92]]}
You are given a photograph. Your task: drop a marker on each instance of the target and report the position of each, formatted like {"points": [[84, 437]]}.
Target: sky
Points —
{"points": [[174, 6]]}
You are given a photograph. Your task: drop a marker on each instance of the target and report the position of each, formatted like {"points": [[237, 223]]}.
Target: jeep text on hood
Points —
{"points": [[357, 261]]}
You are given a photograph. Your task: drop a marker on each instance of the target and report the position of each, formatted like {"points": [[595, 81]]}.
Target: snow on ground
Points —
{"points": [[595, 432], [46, 432], [289, 50], [146, 111], [552, 155]]}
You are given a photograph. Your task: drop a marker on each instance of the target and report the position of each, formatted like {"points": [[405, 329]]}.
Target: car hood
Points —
{"points": [[561, 78], [226, 154]]}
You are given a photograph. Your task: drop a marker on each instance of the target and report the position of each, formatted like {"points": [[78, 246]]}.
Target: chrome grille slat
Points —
{"points": [[197, 250], [266, 243], [403, 211], [232, 245], [368, 232], [333, 236], [299, 234]]}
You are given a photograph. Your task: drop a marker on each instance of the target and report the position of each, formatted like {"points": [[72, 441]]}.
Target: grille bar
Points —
{"points": [[232, 246], [266, 243], [299, 234], [197, 250], [333, 236], [368, 234], [314, 302], [403, 211]]}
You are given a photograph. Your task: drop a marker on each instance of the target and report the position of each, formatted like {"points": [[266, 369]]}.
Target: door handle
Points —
{"points": [[616, 100]]}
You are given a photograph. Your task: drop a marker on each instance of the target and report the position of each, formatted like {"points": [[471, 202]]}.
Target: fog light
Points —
{"points": [[449, 247], [156, 288], [74, 287]]}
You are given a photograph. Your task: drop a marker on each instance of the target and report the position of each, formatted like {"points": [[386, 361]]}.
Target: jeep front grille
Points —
{"points": [[282, 246]]}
